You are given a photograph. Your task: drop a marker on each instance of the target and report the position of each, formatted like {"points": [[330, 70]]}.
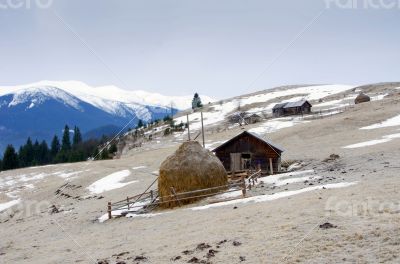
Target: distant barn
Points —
{"points": [[252, 119], [249, 151], [292, 108]]}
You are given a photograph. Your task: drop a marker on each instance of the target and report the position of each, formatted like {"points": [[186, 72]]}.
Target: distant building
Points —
{"points": [[249, 151], [252, 119], [292, 108]]}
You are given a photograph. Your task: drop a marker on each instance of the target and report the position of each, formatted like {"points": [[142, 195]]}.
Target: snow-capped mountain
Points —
{"points": [[110, 98], [41, 110]]}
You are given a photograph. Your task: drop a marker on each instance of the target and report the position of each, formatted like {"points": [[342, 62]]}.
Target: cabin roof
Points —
{"points": [[291, 104], [265, 141], [277, 106], [296, 104]]}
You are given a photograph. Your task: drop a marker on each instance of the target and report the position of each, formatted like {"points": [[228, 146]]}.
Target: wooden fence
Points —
{"points": [[150, 200]]}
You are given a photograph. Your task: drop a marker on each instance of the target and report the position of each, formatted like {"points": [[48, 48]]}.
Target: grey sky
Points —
{"points": [[213, 47]]}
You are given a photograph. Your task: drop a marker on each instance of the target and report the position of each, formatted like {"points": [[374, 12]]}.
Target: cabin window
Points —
{"points": [[246, 156]]}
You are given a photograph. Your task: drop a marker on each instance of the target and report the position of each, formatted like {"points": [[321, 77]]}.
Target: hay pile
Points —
{"points": [[190, 168], [362, 98]]}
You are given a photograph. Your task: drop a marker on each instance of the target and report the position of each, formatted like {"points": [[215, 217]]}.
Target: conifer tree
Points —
{"points": [[140, 123], [55, 147], [66, 141], [43, 153], [105, 154], [113, 148], [26, 154], [196, 102], [10, 158], [77, 139], [36, 153]]}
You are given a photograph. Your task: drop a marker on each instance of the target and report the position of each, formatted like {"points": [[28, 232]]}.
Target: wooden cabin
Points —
{"points": [[292, 108], [252, 119], [249, 151]]}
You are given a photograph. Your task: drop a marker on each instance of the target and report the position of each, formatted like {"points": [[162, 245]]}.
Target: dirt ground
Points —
{"points": [[365, 217]]}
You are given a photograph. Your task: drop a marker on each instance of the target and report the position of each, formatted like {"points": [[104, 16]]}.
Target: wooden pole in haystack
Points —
{"points": [[202, 129], [187, 120], [109, 210]]}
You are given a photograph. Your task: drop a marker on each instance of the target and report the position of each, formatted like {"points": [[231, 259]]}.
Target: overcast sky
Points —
{"points": [[219, 48]]}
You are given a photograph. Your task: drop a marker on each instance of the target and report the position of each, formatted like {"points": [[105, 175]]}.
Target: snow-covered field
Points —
{"points": [[279, 213], [219, 111], [12, 186]]}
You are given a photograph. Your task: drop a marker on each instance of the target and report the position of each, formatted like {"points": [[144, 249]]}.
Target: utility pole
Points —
{"points": [[187, 120], [202, 129]]}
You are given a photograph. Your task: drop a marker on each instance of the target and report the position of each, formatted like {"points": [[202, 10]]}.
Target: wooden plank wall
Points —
{"points": [[260, 151]]}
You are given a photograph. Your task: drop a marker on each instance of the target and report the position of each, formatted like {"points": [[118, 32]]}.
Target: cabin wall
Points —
{"points": [[306, 109], [260, 153]]}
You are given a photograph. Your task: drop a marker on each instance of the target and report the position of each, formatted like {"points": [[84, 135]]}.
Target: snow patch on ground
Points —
{"points": [[143, 215], [308, 92], [394, 121], [110, 182], [139, 167], [228, 195], [14, 185], [67, 175], [5, 206], [379, 97], [274, 179], [134, 207], [271, 197], [276, 124], [384, 139]]}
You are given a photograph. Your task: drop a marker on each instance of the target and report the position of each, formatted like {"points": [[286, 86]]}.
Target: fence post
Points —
{"points": [[175, 196], [270, 166], [243, 186], [151, 195], [127, 201], [109, 210]]}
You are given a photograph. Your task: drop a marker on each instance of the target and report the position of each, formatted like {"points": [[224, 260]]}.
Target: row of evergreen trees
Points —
{"points": [[35, 153]]}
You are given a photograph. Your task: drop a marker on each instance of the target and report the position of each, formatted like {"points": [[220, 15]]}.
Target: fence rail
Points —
{"points": [[150, 199]]}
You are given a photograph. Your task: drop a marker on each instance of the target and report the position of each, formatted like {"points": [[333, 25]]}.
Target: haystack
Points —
{"points": [[362, 98], [190, 168]]}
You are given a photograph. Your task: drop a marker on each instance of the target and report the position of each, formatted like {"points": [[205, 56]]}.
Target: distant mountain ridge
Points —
{"points": [[42, 109]]}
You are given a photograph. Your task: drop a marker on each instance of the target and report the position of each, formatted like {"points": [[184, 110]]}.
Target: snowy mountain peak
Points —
{"points": [[103, 95], [35, 96]]}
